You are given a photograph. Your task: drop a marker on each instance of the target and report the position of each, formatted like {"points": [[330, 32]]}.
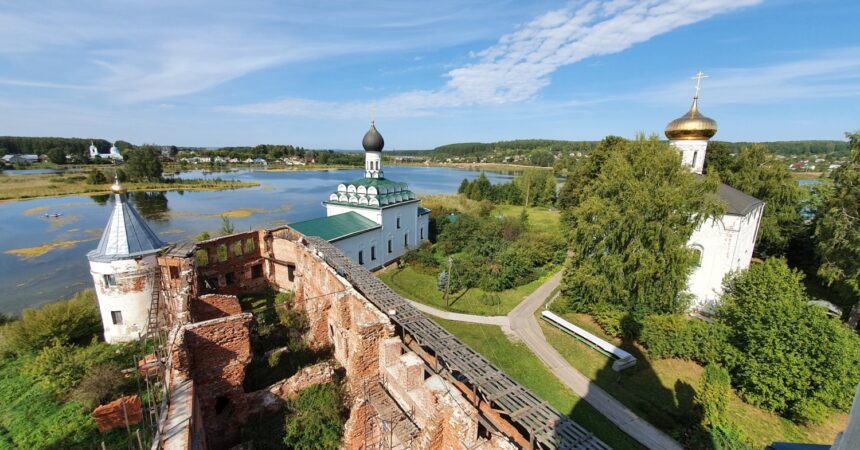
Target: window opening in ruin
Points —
{"points": [[202, 257], [398, 223], [229, 278], [250, 246], [389, 246], [291, 272], [116, 317], [256, 271], [373, 253], [174, 272], [222, 252], [361, 257], [110, 280], [237, 248], [221, 403], [331, 332]]}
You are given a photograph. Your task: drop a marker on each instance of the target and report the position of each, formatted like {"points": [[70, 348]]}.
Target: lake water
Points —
{"points": [[28, 280]]}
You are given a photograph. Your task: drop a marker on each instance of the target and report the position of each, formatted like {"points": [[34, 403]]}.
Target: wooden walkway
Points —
{"points": [[542, 424]]}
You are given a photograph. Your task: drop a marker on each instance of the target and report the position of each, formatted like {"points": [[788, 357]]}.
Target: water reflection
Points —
{"points": [[151, 205]]}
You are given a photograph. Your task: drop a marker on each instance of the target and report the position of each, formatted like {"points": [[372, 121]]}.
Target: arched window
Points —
{"points": [[697, 252]]}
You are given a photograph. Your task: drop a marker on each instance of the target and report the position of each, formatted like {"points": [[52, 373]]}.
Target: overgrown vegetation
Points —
{"points": [[54, 371], [315, 418]]}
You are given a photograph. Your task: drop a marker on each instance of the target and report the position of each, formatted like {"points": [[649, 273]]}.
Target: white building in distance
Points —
{"points": [[113, 154], [723, 244], [125, 271], [374, 220]]}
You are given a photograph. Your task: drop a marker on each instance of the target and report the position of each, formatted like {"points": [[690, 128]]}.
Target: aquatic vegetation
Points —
{"points": [[37, 211], [28, 253]]}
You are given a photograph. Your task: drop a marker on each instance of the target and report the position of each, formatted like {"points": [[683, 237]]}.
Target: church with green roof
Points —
{"points": [[372, 219]]}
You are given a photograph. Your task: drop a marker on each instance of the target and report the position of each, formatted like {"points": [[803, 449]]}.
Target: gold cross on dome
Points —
{"points": [[698, 79]]}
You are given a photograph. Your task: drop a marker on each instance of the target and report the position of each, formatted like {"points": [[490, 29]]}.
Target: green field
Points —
{"points": [[519, 363], [421, 287], [661, 391]]}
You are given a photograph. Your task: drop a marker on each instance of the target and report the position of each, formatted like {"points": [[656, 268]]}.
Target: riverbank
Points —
{"points": [[24, 187], [495, 167]]}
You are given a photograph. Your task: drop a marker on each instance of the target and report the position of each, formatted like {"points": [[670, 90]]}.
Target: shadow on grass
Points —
{"points": [[639, 388]]}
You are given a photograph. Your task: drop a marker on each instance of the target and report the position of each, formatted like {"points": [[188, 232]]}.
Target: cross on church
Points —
{"points": [[372, 113], [698, 79]]}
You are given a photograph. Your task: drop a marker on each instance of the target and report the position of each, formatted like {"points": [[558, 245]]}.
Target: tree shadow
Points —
{"points": [[671, 410]]}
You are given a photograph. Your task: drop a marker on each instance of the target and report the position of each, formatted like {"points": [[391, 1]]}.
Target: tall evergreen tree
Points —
{"points": [[837, 227], [464, 186], [630, 210]]}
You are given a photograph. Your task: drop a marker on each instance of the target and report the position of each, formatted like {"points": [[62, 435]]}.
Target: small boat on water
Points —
{"points": [[55, 214]]}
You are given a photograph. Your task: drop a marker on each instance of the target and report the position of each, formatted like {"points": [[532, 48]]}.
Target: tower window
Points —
{"points": [[695, 158], [406, 240], [361, 257], [110, 280], [174, 272], [398, 223], [422, 233], [116, 317], [291, 272], [389, 246]]}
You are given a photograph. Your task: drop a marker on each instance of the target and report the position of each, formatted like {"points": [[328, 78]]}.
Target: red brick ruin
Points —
{"points": [[399, 397]]}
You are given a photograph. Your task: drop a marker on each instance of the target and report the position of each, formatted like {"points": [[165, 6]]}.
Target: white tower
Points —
{"points": [[125, 271], [690, 133], [373, 143], [94, 151]]}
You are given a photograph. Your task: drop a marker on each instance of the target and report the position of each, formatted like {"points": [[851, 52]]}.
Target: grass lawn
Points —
{"points": [[421, 287], [520, 364], [541, 219], [74, 183], [661, 391]]}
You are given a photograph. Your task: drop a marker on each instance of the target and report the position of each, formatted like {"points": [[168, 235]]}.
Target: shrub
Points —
{"points": [[96, 177], [670, 335], [713, 396], [75, 320], [728, 437], [490, 299], [315, 419], [808, 411], [58, 366], [609, 320], [101, 384]]}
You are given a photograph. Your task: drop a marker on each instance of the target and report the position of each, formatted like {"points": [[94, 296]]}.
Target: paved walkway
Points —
{"points": [[523, 323]]}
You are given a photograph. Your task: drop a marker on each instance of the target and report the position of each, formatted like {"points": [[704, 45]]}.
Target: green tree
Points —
{"points": [[837, 227], [227, 226], [541, 157], [143, 164], [718, 157], [315, 419], [75, 320], [713, 395], [481, 188], [757, 172], [464, 186], [629, 212], [791, 357], [96, 176], [56, 155]]}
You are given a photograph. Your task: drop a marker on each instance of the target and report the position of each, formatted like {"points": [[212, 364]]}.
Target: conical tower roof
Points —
{"points": [[126, 235]]}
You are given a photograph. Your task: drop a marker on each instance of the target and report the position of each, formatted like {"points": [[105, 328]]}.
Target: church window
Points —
{"points": [[116, 317], [695, 158], [398, 223], [422, 233], [256, 271], [110, 280], [389, 246], [697, 253], [373, 253], [406, 240], [361, 257]]}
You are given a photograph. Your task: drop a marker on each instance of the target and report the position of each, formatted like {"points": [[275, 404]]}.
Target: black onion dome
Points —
{"points": [[372, 141]]}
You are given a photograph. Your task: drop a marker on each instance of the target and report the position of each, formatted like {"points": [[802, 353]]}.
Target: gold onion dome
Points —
{"points": [[692, 126]]}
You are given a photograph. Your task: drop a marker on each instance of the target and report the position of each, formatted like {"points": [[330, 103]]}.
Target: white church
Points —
{"points": [[113, 154], [373, 220], [723, 244]]}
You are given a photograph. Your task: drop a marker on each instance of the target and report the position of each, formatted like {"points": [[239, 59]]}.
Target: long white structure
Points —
{"points": [[622, 359], [374, 220], [125, 269], [723, 244]]}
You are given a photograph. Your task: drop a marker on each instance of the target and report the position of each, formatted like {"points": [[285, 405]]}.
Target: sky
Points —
{"points": [[217, 73]]}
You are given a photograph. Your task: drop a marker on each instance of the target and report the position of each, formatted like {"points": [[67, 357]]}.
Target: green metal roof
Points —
{"points": [[336, 227]]}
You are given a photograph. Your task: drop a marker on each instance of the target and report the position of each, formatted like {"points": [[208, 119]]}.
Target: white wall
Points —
{"points": [[692, 153], [131, 296], [727, 244]]}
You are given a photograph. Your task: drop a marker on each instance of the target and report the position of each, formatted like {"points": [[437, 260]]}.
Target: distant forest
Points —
{"points": [[479, 149]]}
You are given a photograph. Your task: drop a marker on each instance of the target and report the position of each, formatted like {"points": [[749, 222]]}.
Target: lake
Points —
{"points": [[51, 263]]}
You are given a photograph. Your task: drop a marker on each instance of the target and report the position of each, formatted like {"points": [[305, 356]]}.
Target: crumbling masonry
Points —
{"points": [[411, 383]]}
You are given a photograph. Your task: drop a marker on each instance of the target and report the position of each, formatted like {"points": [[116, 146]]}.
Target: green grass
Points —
{"points": [[518, 362], [421, 287], [661, 391], [540, 219], [30, 416]]}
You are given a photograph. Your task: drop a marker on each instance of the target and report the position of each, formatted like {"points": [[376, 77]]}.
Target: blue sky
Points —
{"points": [[215, 73]]}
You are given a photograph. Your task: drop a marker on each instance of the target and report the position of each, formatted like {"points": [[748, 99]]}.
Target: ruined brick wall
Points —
{"points": [[214, 306], [215, 354], [231, 264], [178, 283]]}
